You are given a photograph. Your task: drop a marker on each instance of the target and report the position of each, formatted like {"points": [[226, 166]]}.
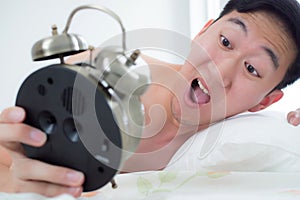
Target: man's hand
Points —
{"points": [[293, 117], [27, 175]]}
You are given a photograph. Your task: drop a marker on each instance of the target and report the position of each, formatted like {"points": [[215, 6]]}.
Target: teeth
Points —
{"points": [[202, 87]]}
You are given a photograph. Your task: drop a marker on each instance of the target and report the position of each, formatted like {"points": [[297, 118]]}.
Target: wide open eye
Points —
{"points": [[252, 70], [225, 42]]}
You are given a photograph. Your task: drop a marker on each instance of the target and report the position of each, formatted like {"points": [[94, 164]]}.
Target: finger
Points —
{"points": [[29, 169], [294, 117], [21, 133], [12, 115], [47, 189], [296, 121]]}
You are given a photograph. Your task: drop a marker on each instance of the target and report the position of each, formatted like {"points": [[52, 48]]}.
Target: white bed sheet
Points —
{"points": [[165, 185]]}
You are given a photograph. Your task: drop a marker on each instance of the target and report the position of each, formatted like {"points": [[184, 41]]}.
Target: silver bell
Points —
{"points": [[58, 46]]}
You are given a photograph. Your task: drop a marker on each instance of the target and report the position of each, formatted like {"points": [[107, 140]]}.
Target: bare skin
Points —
{"points": [[244, 89], [293, 117], [23, 174], [228, 60]]}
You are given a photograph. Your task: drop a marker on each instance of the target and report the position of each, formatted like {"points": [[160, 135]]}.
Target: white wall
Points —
{"points": [[24, 22]]}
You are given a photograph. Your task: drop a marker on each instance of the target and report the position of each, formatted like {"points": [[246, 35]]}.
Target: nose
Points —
{"points": [[228, 70]]}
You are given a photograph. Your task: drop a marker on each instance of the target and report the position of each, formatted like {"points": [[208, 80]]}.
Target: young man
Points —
{"points": [[238, 63]]}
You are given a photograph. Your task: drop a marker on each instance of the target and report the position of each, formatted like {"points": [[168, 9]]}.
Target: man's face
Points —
{"points": [[232, 67]]}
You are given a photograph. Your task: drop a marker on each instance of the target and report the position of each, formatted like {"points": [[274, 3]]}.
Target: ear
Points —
{"points": [[210, 22], [268, 100]]}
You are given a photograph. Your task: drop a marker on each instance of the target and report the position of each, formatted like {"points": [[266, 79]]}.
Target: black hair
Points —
{"points": [[288, 12]]}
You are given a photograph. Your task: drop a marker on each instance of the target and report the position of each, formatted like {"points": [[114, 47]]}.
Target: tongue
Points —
{"points": [[199, 96]]}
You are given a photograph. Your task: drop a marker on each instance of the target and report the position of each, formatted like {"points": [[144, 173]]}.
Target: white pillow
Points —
{"points": [[248, 142]]}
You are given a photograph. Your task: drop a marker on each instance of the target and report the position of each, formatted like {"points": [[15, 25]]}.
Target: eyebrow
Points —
{"points": [[240, 23], [273, 57], [269, 51]]}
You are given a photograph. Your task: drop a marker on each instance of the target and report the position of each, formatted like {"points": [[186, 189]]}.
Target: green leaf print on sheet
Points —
{"points": [[144, 185], [166, 178]]}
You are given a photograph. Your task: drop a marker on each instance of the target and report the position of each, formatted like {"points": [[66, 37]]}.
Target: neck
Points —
{"points": [[162, 135], [156, 150]]}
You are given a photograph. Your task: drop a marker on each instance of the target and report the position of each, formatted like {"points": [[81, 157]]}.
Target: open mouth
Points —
{"points": [[199, 93]]}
